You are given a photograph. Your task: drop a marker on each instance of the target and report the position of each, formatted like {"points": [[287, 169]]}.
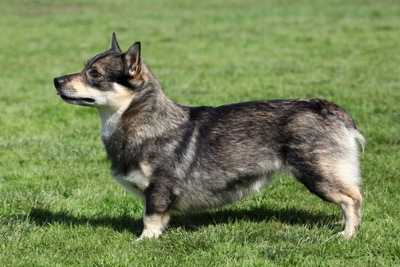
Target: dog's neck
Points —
{"points": [[156, 117], [144, 114], [110, 117]]}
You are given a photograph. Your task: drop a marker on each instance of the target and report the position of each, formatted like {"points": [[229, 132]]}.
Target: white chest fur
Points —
{"points": [[111, 110], [134, 182]]}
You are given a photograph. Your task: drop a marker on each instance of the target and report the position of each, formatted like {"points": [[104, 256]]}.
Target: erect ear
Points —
{"points": [[132, 58], [114, 44]]}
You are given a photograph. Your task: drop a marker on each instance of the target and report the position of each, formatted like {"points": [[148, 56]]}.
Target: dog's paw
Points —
{"points": [[147, 234], [348, 234]]}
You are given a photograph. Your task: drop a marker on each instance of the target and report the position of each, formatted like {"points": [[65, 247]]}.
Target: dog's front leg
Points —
{"points": [[158, 205]]}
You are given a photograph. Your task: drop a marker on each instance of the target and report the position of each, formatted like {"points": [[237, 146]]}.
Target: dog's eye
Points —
{"points": [[94, 73]]}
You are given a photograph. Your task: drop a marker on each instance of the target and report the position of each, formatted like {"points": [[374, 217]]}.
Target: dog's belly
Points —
{"points": [[202, 198], [203, 191], [213, 189]]}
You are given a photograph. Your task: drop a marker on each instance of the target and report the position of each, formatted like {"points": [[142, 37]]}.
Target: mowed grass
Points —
{"points": [[58, 204]]}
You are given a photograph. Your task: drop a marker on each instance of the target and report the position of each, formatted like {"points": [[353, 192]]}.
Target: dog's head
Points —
{"points": [[107, 80]]}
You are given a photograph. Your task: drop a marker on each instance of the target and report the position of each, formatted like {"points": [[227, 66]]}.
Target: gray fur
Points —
{"points": [[190, 158]]}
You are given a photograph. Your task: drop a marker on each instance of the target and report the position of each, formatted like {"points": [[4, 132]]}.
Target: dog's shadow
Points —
{"points": [[189, 221]]}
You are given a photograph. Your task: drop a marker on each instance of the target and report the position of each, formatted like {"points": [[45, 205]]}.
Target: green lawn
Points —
{"points": [[58, 204]]}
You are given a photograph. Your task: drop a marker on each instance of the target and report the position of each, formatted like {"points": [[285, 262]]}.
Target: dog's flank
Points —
{"points": [[188, 158]]}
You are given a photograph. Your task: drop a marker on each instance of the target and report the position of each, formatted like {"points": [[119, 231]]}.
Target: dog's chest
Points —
{"points": [[109, 124], [110, 118]]}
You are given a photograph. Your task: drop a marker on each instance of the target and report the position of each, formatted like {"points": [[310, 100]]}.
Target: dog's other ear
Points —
{"points": [[114, 44], [132, 58]]}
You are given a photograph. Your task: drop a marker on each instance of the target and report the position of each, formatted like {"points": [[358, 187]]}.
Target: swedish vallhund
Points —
{"points": [[190, 158]]}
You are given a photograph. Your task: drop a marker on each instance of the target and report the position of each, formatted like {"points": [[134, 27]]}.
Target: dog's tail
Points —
{"points": [[358, 136], [345, 117]]}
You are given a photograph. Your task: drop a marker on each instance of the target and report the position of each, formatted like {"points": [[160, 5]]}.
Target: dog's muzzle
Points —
{"points": [[68, 94]]}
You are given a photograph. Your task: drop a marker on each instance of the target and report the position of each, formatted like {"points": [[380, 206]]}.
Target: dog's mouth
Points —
{"points": [[78, 100]]}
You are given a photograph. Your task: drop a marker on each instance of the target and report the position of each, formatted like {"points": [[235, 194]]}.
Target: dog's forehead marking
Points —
{"points": [[94, 59]]}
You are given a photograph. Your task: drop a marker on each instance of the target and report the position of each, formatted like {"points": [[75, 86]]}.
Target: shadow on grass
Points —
{"points": [[189, 221], [193, 221], [44, 217]]}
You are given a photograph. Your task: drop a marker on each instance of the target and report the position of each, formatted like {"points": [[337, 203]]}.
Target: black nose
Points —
{"points": [[59, 82]]}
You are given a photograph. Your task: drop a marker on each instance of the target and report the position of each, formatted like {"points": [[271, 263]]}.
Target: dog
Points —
{"points": [[176, 157]]}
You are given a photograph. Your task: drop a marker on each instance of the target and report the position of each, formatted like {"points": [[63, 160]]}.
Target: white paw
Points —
{"points": [[347, 234], [149, 233]]}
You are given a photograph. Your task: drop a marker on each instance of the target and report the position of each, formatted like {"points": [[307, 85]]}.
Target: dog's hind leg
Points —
{"points": [[349, 198], [336, 182], [350, 201], [344, 185]]}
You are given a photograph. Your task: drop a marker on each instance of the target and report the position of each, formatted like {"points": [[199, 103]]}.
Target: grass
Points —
{"points": [[58, 205]]}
